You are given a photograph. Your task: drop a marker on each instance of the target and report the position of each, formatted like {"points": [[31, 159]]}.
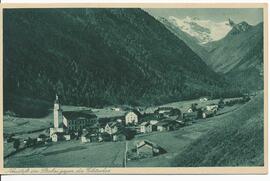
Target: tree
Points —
{"points": [[43, 136], [29, 142], [221, 103], [16, 144], [194, 107]]}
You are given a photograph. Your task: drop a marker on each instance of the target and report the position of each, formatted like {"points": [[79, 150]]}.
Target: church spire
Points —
{"points": [[56, 99], [57, 112]]}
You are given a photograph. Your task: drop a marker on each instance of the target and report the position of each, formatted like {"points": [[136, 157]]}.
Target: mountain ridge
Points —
{"points": [[97, 57], [238, 55]]}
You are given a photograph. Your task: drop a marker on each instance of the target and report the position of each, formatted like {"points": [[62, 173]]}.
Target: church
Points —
{"points": [[69, 121]]}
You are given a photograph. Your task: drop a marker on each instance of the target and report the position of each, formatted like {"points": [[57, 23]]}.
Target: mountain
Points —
{"points": [[97, 57], [238, 55], [228, 52], [204, 31], [191, 41]]}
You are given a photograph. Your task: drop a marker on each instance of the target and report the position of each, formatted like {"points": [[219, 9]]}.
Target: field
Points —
{"points": [[70, 154], [231, 139], [234, 137]]}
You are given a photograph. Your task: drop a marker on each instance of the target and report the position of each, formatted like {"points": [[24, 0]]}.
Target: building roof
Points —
{"points": [[165, 108], [208, 112], [145, 123], [135, 111], [102, 122], [71, 115], [146, 142], [163, 123], [153, 122], [112, 124]]}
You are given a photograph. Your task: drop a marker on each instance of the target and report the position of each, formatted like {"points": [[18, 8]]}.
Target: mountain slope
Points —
{"points": [[237, 140], [98, 57], [225, 54], [238, 56], [192, 42], [204, 31]]}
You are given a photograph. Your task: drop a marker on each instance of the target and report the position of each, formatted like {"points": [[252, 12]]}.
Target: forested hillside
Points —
{"points": [[97, 57]]}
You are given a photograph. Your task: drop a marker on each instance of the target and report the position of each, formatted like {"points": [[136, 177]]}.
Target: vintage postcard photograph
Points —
{"points": [[134, 88]]}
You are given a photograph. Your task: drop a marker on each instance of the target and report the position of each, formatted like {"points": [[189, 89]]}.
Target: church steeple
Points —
{"points": [[57, 112], [56, 99]]}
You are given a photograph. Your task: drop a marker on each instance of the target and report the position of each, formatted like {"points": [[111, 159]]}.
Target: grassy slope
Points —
{"points": [[70, 154], [231, 139], [236, 141], [234, 138]]}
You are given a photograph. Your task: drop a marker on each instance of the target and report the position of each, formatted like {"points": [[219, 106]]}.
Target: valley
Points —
{"points": [[175, 143], [120, 87], [236, 54]]}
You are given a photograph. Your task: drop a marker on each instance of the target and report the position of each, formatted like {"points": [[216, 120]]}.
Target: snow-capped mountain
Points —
{"points": [[204, 31]]}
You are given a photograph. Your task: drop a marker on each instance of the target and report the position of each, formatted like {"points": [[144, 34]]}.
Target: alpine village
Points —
{"points": [[129, 88]]}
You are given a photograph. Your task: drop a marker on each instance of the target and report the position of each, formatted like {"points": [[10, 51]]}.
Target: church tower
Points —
{"points": [[57, 113]]}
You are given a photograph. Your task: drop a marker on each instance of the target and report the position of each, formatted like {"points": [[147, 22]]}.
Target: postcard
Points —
{"points": [[134, 89]]}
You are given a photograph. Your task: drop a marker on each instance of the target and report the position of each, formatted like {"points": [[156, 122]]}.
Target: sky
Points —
{"points": [[252, 16]]}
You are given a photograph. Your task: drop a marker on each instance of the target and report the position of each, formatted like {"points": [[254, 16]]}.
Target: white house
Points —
{"points": [[57, 137], [212, 107], [56, 130], [145, 127], [54, 138], [189, 110], [116, 109], [67, 137], [132, 117], [203, 99], [85, 138], [111, 128]]}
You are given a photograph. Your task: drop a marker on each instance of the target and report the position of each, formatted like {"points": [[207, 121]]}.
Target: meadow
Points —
{"points": [[234, 137]]}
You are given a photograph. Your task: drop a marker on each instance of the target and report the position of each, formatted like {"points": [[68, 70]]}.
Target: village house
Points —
{"points": [[101, 127], [189, 110], [89, 137], [111, 128], [153, 123], [66, 121], [102, 122], [116, 109], [132, 117], [78, 120], [105, 137], [67, 137], [119, 137], [41, 138], [148, 126], [146, 148], [204, 99], [145, 127], [163, 110], [167, 125], [85, 137], [212, 107], [190, 116], [207, 114], [167, 112], [57, 136]]}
